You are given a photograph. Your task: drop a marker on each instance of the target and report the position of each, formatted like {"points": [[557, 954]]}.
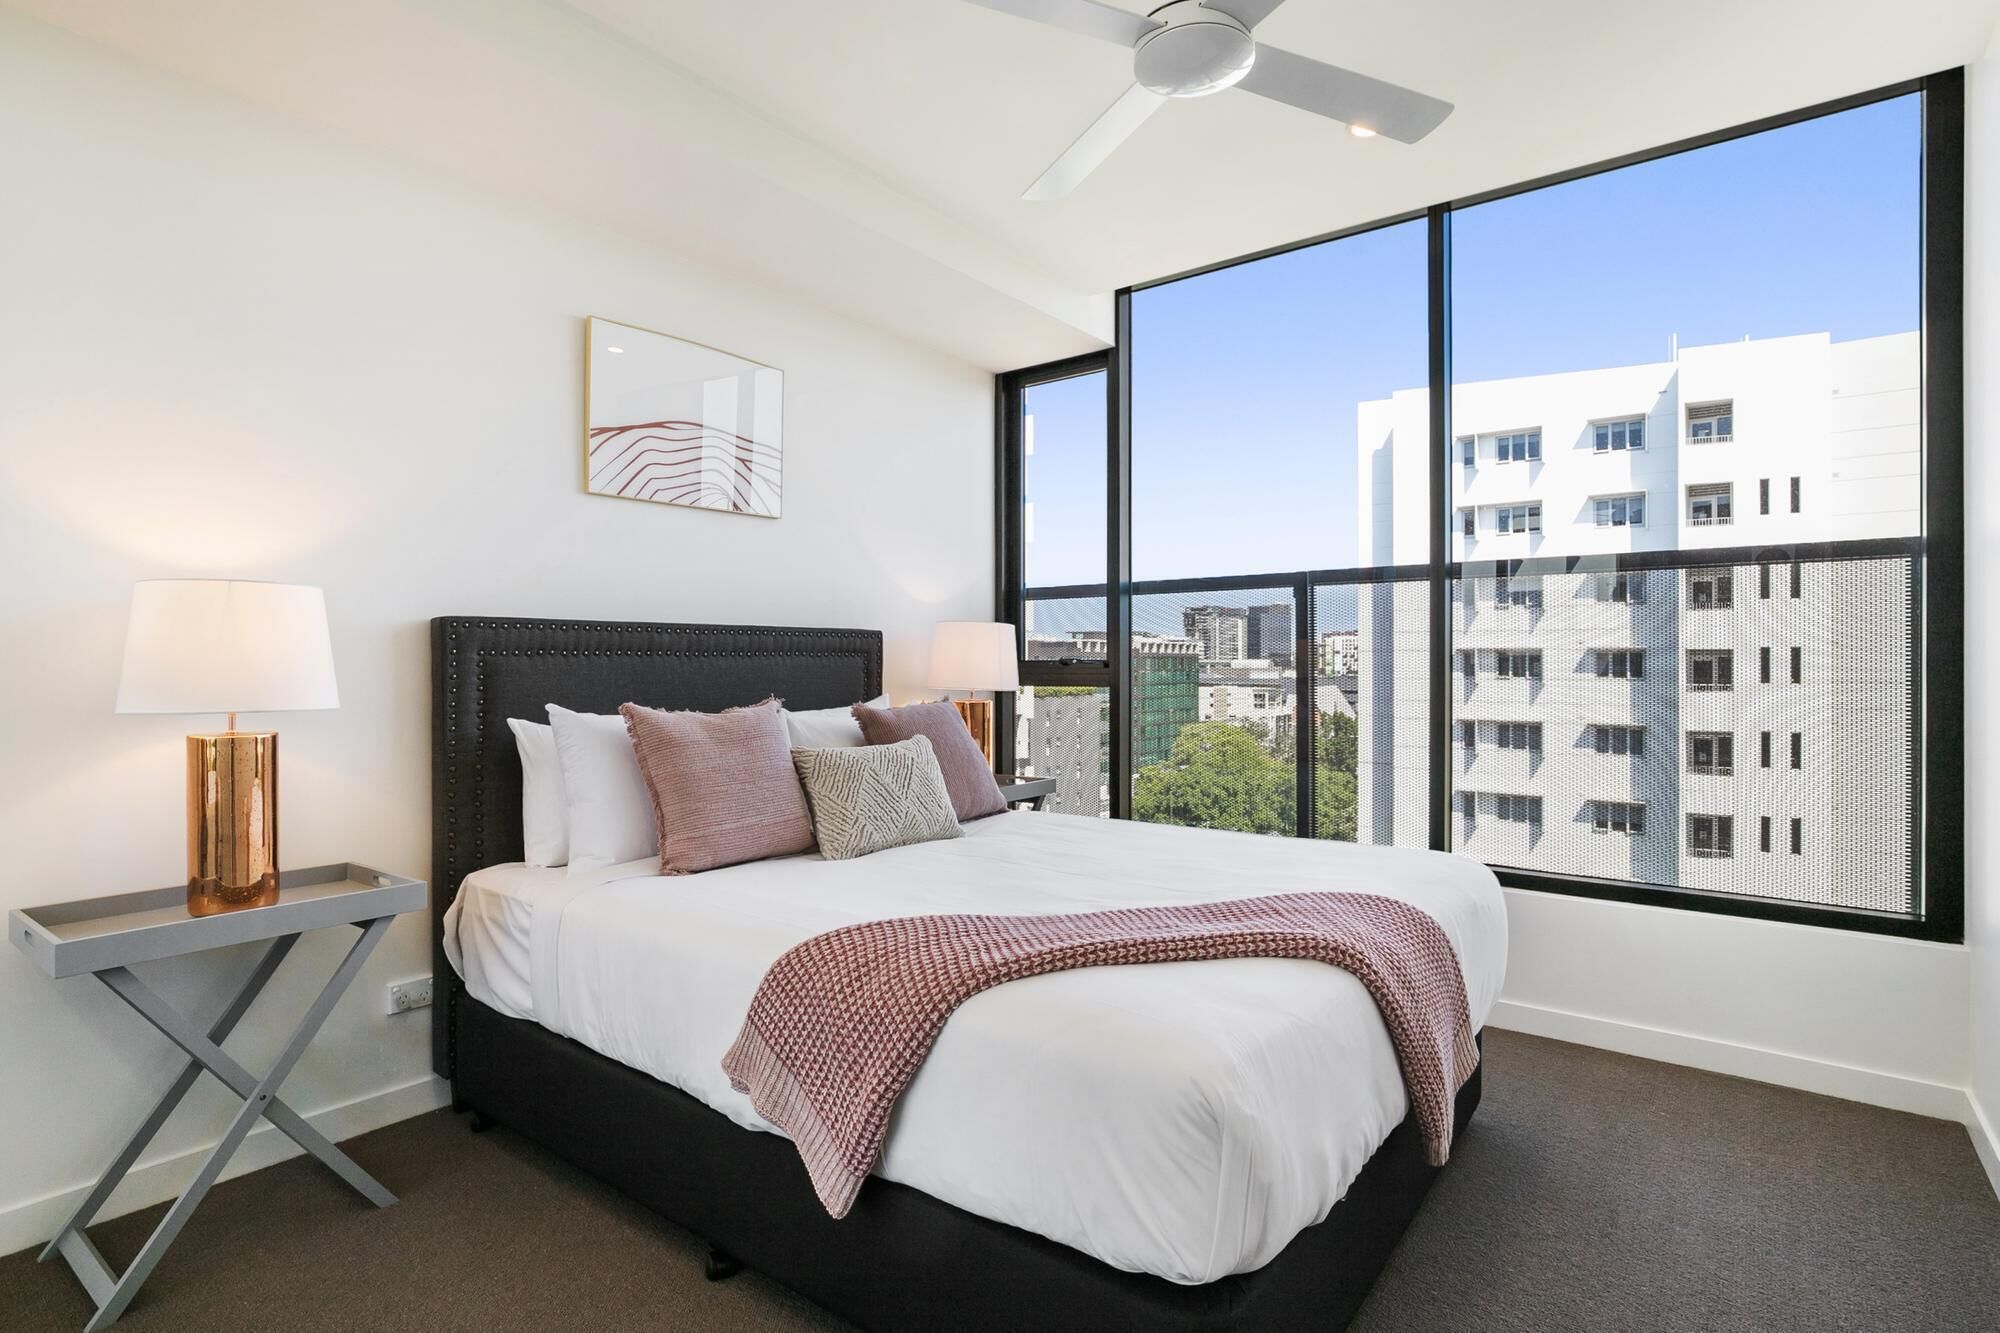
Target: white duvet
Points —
{"points": [[1181, 1119]]}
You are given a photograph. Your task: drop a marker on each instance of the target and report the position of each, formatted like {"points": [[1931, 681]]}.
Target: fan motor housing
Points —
{"points": [[1196, 51]]}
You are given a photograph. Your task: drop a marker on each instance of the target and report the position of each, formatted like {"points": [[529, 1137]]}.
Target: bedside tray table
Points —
{"points": [[105, 936], [1033, 791]]}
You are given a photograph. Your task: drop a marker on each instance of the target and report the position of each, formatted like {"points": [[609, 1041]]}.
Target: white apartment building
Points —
{"points": [[1339, 653], [1740, 729]]}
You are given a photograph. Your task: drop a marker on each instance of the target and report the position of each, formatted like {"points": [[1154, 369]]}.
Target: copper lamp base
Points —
{"points": [[978, 715], [232, 820]]}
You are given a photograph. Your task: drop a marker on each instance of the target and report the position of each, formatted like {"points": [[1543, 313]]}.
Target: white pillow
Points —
{"points": [[827, 728], [544, 807], [610, 811]]}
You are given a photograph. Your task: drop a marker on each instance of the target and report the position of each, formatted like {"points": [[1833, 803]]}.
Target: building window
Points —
{"points": [[1764, 749], [1798, 836], [1350, 538], [1623, 663], [1795, 578], [1711, 423], [1618, 817], [1711, 590], [1468, 735], [1711, 669], [1795, 495], [1798, 749], [1615, 436], [1518, 518], [1763, 833], [1708, 505], [1711, 752], [1468, 806], [1617, 738], [1617, 588], [1763, 666], [1798, 666], [1620, 511], [1711, 835], [1518, 591], [1518, 809], [1468, 522], [1518, 736]]}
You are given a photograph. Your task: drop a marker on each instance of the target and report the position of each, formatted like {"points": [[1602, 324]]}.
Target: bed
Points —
{"points": [[1209, 1145]]}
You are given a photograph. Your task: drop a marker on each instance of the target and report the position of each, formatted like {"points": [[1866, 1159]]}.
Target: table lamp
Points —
{"points": [[228, 646], [975, 655]]}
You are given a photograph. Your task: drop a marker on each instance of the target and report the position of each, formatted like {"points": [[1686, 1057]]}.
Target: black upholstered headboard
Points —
{"points": [[486, 670]]}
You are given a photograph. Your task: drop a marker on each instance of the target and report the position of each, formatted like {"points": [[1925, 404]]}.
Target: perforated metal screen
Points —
{"points": [[1724, 703]]}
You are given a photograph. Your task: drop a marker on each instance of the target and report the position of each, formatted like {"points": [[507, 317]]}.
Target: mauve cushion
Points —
{"points": [[723, 786], [974, 793]]}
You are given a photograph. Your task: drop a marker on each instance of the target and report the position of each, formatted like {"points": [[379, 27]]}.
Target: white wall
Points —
{"points": [[1982, 601], [230, 345]]}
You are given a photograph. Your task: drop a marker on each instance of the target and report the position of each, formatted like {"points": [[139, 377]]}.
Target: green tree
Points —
{"points": [[1337, 756], [1219, 775]]}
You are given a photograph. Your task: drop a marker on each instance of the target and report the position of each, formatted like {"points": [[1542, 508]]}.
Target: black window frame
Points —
{"points": [[1936, 557]]}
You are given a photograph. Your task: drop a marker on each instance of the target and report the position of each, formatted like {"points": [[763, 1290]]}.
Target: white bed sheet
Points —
{"points": [[1181, 1119]]}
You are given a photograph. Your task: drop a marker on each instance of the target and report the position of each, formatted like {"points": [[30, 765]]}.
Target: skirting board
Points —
{"points": [[32, 1221], [1940, 1101], [1985, 1139]]}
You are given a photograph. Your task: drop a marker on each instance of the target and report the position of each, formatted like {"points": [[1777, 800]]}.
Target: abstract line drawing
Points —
{"points": [[675, 422]]}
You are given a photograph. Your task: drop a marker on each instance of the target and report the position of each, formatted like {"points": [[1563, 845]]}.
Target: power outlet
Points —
{"points": [[407, 995]]}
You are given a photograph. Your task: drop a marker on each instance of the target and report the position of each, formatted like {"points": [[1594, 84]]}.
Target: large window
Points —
{"points": [[1374, 562]]}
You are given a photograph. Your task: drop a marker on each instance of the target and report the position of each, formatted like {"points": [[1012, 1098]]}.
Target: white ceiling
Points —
{"points": [[876, 149]]}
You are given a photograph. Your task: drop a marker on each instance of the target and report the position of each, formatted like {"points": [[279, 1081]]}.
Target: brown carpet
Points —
{"points": [[1593, 1191]]}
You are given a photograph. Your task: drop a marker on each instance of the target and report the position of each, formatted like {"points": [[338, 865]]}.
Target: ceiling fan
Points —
{"points": [[1191, 48]]}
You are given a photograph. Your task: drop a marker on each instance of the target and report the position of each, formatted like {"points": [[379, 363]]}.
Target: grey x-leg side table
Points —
{"points": [[106, 936]]}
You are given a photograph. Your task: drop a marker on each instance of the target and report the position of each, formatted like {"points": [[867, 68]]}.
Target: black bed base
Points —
{"points": [[901, 1259]]}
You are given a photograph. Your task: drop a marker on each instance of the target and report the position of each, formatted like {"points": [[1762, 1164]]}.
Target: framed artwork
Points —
{"points": [[674, 422]]}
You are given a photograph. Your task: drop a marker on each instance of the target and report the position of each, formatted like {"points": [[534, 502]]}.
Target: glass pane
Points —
{"points": [[1770, 332], [1665, 738], [1065, 628], [1064, 456], [1213, 727], [1259, 393], [1372, 703], [1063, 732]]}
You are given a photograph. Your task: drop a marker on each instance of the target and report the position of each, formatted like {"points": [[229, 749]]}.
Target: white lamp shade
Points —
{"points": [[226, 646], [973, 655]]}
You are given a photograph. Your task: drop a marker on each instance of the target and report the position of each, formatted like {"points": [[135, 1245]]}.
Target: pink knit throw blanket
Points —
{"points": [[841, 1023]]}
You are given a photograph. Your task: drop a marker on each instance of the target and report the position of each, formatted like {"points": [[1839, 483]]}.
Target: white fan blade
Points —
{"points": [[1085, 16], [1095, 144], [1247, 12], [1341, 94]]}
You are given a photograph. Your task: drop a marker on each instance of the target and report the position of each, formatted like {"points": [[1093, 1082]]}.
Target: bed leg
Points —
{"points": [[481, 1122], [720, 1266]]}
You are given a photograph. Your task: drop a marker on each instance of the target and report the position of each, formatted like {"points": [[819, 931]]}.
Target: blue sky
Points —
{"points": [[1245, 381]]}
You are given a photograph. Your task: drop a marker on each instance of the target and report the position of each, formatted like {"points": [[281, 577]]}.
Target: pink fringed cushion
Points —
{"points": [[723, 786], [974, 793]]}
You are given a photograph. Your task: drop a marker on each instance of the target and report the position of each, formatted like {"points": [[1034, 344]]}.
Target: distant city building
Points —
{"points": [[1165, 684], [1270, 636], [1665, 725], [1063, 735], [1222, 631], [1166, 674], [1340, 652]]}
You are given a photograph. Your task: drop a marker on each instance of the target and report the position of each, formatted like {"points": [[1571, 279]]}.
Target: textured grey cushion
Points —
{"points": [[874, 797]]}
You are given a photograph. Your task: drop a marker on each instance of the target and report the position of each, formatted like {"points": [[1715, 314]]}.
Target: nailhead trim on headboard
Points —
{"points": [[465, 651]]}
